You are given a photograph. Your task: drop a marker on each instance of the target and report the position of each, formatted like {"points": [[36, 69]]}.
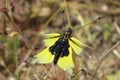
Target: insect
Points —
{"points": [[59, 49]]}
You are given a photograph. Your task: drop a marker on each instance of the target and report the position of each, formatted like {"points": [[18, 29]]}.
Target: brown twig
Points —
{"points": [[93, 7], [106, 53], [76, 67], [48, 21], [21, 33], [5, 10], [117, 27]]}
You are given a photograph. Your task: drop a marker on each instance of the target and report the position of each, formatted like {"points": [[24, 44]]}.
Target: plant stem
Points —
{"points": [[69, 26], [67, 14], [76, 67], [48, 21], [17, 65], [103, 58], [20, 32]]}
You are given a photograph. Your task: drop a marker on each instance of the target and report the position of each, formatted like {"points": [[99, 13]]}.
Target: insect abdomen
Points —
{"points": [[59, 49]]}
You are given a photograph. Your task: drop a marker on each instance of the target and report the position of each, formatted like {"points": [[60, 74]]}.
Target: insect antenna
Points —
{"points": [[67, 15], [94, 21], [63, 19]]}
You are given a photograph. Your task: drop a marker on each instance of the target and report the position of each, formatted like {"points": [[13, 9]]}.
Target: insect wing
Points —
{"points": [[50, 39], [52, 35], [66, 62], [76, 45], [43, 57]]}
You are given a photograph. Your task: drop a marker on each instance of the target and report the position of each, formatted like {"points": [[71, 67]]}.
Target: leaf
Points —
{"points": [[107, 31]]}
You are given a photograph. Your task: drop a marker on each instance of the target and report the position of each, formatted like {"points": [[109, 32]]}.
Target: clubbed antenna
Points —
{"points": [[94, 21], [63, 18]]}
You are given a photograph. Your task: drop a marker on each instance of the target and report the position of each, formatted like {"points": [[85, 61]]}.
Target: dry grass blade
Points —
{"points": [[106, 53]]}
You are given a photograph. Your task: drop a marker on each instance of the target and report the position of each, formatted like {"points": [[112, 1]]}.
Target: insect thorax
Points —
{"points": [[67, 34]]}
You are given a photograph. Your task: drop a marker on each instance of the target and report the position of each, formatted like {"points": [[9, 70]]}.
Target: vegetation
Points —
{"points": [[23, 24]]}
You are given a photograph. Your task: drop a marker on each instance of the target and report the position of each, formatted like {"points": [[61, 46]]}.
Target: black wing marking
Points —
{"points": [[75, 43], [80, 45], [52, 37], [59, 49]]}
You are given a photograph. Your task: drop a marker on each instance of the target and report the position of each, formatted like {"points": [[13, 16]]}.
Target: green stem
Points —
{"points": [[17, 65]]}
